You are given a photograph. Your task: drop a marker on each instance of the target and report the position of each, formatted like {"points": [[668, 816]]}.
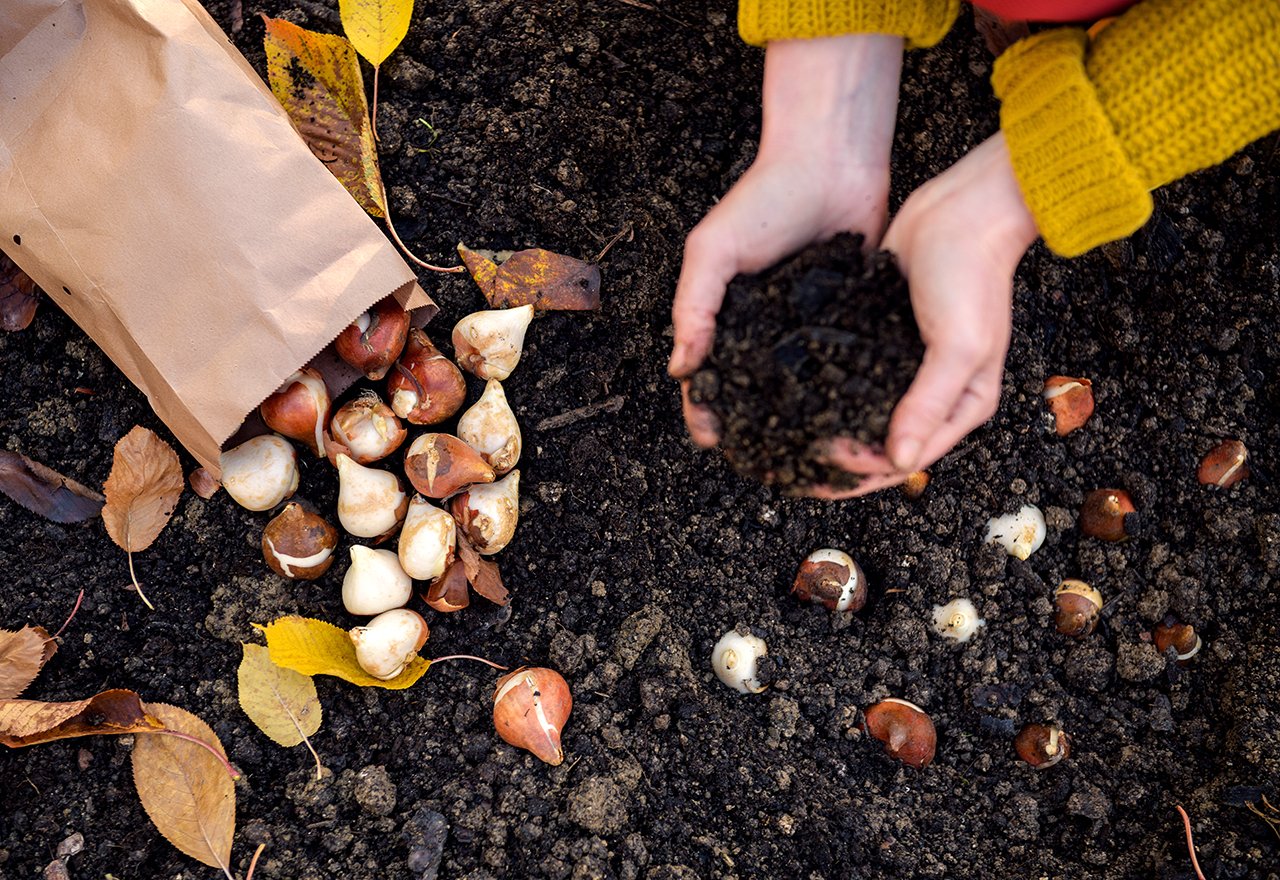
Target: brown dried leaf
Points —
{"points": [[18, 296], [185, 790], [22, 654], [45, 492], [548, 281], [142, 489], [203, 483], [31, 722], [483, 575]]}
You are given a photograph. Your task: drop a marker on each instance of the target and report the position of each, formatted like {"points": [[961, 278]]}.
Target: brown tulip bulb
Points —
{"points": [[449, 593], [1106, 514], [1173, 633], [530, 707], [1042, 745], [367, 429], [1078, 605], [440, 464], [831, 578], [299, 409], [906, 731], [488, 513], [915, 484], [374, 340], [425, 387], [1224, 465], [1070, 401], [299, 544]]}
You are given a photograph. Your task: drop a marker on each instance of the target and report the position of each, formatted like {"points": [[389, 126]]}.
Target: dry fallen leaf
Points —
{"points": [[22, 655], [547, 280], [316, 77], [203, 483], [281, 702], [18, 296], [31, 722], [185, 790], [314, 647], [375, 28], [483, 575], [142, 491], [45, 492]]}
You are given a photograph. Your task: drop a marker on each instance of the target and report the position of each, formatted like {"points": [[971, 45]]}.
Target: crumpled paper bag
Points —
{"points": [[151, 184]]}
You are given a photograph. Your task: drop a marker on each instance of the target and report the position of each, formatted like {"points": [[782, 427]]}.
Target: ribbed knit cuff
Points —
{"points": [[922, 22], [1074, 174]]}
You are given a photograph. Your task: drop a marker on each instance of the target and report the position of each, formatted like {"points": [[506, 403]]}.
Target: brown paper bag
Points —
{"points": [[151, 184]]}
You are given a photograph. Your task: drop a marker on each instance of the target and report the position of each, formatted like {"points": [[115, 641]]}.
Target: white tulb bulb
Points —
{"points": [[260, 473], [427, 540], [386, 644], [371, 502], [488, 512], [375, 582], [1020, 533], [735, 660], [957, 620], [490, 428], [489, 343]]}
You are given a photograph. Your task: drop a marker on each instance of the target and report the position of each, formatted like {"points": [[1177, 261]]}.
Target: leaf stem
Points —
{"points": [[298, 727], [435, 660], [253, 864], [231, 771], [386, 208], [137, 586], [374, 123], [79, 599]]}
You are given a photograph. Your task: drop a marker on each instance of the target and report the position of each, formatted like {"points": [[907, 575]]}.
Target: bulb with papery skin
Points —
{"points": [[299, 544], [1077, 606], [375, 582], [261, 472], [449, 592], [488, 343], [425, 388], [530, 708], [488, 513], [1042, 745], [300, 409], [367, 429], [427, 540], [907, 732], [440, 464], [386, 644], [373, 341], [831, 578], [490, 428], [371, 502]]}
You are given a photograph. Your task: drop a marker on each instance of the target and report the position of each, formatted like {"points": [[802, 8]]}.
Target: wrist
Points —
{"points": [[832, 96]]}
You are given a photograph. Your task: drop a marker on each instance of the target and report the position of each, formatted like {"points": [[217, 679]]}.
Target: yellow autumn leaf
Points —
{"points": [[281, 702], [314, 647], [375, 27], [316, 77]]}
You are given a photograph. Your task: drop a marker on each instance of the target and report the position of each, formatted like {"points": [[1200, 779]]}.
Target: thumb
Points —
{"points": [[938, 387], [709, 265]]}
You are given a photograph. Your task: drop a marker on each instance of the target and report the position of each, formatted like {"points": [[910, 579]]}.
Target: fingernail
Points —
{"points": [[905, 454]]}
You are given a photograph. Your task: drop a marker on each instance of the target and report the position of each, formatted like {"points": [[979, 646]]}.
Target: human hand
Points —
{"points": [[958, 240], [822, 168]]}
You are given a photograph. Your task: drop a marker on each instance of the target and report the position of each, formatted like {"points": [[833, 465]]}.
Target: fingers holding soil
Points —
{"points": [[704, 427]]}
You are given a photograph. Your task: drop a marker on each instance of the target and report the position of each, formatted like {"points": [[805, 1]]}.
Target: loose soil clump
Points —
{"points": [[821, 345]]}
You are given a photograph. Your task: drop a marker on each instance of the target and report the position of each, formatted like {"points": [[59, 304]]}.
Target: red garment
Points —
{"points": [[1054, 10]]}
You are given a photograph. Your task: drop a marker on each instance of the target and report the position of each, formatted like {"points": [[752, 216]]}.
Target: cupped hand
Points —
{"points": [[822, 168]]}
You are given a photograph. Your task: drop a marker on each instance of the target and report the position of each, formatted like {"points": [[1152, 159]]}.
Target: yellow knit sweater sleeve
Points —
{"points": [[921, 22], [1170, 87]]}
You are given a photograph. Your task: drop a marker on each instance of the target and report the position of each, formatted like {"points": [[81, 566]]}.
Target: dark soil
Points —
{"points": [[510, 124], [822, 345]]}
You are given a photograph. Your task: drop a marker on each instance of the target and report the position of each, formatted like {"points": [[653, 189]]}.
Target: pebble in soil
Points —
{"points": [[822, 345]]}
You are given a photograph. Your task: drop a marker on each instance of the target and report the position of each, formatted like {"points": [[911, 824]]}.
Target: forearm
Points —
{"points": [[1167, 89]]}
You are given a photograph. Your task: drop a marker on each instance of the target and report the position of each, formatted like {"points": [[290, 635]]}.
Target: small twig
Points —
{"points": [[79, 599], [435, 660], [254, 864], [1271, 817], [459, 202], [231, 771], [137, 586], [625, 230], [1191, 844], [650, 8], [550, 423]]}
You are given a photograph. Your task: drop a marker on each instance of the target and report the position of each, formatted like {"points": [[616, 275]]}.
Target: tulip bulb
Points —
{"points": [[530, 707], [374, 340], [490, 428], [735, 658], [1108, 514], [375, 582], [370, 502], [425, 387], [1077, 606], [386, 644], [1042, 745], [907, 732], [299, 544], [300, 409], [260, 473], [957, 620], [1020, 533], [427, 540], [831, 579], [367, 428], [440, 464], [449, 593], [488, 343], [488, 513]]}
